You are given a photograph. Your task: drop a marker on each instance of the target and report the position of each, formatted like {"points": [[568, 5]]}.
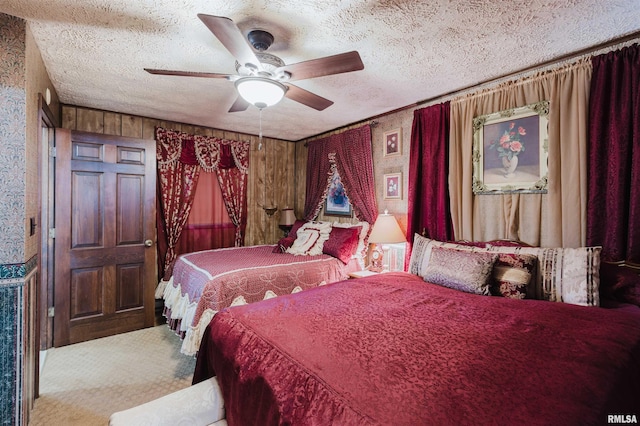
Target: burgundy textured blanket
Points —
{"points": [[392, 349]]}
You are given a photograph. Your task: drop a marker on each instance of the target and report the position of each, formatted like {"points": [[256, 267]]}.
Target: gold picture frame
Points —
{"points": [[392, 142], [511, 149]]}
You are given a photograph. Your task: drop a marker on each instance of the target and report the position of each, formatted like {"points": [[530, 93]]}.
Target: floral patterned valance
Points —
{"points": [[209, 152]]}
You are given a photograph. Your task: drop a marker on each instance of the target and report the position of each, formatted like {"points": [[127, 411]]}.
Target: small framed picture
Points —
{"points": [[393, 142], [393, 186]]}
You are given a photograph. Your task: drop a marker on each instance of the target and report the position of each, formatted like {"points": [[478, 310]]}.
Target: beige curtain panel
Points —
{"points": [[554, 219]]}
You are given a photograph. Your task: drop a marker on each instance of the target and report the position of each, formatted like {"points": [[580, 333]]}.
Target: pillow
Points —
{"points": [[620, 283], [361, 251], [285, 242], [460, 270], [342, 243], [569, 275], [512, 274], [421, 251], [310, 239]]}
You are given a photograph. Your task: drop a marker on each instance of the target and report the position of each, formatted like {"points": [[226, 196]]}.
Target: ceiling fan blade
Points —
{"points": [[231, 37], [239, 105], [188, 73], [307, 98], [336, 64]]}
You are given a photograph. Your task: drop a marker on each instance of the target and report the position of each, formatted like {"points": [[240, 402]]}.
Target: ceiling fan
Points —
{"points": [[263, 79]]}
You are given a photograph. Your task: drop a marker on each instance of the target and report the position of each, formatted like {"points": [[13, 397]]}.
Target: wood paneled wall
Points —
{"points": [[272, 169]]}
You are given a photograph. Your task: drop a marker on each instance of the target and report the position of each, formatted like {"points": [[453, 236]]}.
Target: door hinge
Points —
{"points": [[52, 233], [52, 151], [51, 312]]}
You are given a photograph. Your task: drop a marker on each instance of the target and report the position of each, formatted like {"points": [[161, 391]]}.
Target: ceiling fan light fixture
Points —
{"points": [[259, 91]]}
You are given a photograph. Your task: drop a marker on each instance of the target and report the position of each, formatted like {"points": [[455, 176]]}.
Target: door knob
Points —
{"points": [[148, 243]]}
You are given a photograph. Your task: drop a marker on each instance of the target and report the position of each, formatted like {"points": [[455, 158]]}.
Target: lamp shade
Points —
{"points": [[287, 217], [260, 91], [386, 230]]}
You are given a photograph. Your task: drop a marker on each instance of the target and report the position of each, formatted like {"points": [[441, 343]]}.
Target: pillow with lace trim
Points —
{"points": [[310, 239], [460, 270]]}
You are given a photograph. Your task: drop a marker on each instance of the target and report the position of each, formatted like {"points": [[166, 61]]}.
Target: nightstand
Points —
{"points": [[362, 274]]}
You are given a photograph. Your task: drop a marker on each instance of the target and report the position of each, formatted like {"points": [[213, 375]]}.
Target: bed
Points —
{"points": [[205, 282], [396, 349]]}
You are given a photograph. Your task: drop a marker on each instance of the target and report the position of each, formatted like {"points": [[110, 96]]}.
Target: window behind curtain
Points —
{"points": [[208, 226]]}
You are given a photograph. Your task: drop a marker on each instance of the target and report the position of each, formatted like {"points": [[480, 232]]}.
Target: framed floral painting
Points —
{"points": [[393, 186], [510, 150], [392, 142], [337, 202]]}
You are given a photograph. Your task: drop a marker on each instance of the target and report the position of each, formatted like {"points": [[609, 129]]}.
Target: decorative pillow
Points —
{"points": [[342, 243], [310, 239], [569, 275], [421, 251], [512, 274], [285, 242], [620, 283], [363, 237], [460, 270]]}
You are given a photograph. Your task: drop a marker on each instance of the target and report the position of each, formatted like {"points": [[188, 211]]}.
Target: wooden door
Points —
{"points": [[105, 256]]}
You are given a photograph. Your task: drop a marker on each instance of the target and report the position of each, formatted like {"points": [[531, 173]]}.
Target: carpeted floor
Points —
{"points": [[83, 384]]}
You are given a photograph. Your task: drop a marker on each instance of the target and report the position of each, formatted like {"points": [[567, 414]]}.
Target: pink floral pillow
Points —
{"points": [[512, 274], [342, 243]]}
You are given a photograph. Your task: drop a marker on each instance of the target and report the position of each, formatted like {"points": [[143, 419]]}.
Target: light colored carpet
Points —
{"points": [[83, 384]]}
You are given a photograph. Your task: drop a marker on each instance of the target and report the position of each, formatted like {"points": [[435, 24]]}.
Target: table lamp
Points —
{"points": [[287, 219], [385, 231]]}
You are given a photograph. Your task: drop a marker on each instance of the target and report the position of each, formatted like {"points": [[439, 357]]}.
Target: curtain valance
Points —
{"points": [[180, 158], [209, 152]]}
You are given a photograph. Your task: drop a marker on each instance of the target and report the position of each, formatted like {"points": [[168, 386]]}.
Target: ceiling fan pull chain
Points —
{"points": [[260, 134]]}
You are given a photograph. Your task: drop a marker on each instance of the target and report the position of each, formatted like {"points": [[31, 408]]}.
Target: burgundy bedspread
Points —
{"points": [[392, 349]]}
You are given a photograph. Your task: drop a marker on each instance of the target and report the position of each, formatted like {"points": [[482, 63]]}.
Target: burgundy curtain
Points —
{"points": [[180, 158], [350, 153], [428, 190], [613, 209], [177, 182]]}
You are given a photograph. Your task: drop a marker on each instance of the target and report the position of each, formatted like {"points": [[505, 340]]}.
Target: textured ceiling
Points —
{"points": [[95, 51]]}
